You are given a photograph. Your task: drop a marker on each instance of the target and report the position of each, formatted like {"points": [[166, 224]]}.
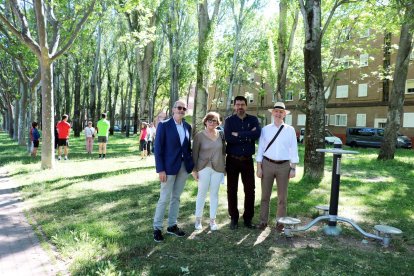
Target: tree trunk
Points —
{"points": [[77, 128], [66, 90], [315, 98], [128, 103], [22, 113], [48, 122], [396, 104], [285, 49], [205, 34], [92, 96]]}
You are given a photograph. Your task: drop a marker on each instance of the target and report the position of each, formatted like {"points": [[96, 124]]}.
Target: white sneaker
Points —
{"points": [[59, 157], [66, 158], [213, 225], [198, 225]]}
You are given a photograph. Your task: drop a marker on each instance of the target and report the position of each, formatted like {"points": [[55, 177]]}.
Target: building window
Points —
{"points": [[302, 95], [301, 119], [289, 96], [363, 60], [345, 62], [362, 90], [409, 87], [341, 119], [365, 33], [361, 120], [408, 120], [326, 119], [327, 92], [342, 91], [380, 122], [332, 120], [288, 119]]}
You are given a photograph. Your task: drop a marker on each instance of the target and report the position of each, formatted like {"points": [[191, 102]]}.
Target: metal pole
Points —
{"points": [[336, 177]]}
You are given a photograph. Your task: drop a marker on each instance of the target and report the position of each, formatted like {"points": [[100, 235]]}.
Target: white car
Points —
{"points": [[330, 139]]}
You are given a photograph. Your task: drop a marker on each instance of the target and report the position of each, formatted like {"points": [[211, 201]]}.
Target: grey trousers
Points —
{"points": [[270, 172], [170, 192]]}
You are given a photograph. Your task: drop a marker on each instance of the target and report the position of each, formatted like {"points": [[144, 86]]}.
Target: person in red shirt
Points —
{"points": [[63, 128]]}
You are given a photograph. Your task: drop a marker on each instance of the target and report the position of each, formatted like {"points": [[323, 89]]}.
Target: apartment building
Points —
{"points": [[357, 97]]}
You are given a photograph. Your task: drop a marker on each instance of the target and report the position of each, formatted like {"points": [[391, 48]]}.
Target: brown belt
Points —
{"points": [[275, 161], [242, 158]]}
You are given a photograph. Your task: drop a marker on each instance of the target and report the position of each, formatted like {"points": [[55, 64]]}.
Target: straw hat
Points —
{"points": [[279, 105]]}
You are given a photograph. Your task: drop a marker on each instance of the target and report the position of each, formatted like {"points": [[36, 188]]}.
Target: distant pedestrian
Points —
{"points": [[173, 162], [102, 128], [209, 167], [150, 138], [143, 140], [89, 137], [63, 129], [34, 137]]}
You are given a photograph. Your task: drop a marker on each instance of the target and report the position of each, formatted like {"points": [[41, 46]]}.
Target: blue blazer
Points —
{"points": [[168, 151]]}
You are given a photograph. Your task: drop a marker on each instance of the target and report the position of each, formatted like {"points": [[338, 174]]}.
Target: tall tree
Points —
{"points": [[396, 103], [242, 10], [46, 49], [206, 27], [314, 85], [284, 47]]}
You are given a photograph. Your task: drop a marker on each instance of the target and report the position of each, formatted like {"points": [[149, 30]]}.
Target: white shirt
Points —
{"points": [[89, 131], [285, 146], [151, 133]]}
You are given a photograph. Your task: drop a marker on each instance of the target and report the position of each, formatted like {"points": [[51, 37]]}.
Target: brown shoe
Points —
{"points": [[280, 227], [261, 226]]}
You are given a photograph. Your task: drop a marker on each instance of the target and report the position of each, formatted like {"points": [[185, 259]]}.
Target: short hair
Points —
{"points": [[90, 122], [210, 116], [103, 115], [240, 98], [35, 124], [179, 101], [65, 116]]}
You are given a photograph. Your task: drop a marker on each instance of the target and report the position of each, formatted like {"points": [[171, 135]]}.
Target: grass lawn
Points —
{"points": [[98, 214]]}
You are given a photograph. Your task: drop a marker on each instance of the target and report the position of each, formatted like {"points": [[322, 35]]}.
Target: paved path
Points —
{"points": [[20, 251]]}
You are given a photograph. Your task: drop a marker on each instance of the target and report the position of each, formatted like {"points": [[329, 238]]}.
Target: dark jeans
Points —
{"points": [[149, 144], [235, 167]]}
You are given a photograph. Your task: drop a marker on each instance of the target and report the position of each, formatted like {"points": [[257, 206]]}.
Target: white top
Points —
{"points": [[89, 131], [285, 146], [151, 133]]}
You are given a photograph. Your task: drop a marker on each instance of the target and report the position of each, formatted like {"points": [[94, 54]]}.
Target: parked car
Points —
{"points": [[330, 139], [372, 137], [117, 128]]}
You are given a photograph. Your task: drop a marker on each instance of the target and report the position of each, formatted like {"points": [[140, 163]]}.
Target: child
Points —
{"points": [[35, 135]]}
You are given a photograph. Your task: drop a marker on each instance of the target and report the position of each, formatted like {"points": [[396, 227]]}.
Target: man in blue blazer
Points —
{"points": [[173, 162]]}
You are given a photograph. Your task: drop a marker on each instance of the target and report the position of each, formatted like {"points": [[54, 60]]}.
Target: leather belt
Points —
{"points": [[275, 161], [241, 158]]}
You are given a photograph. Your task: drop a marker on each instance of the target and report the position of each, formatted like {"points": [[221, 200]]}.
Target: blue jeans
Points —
{"points": [[170, 191]]}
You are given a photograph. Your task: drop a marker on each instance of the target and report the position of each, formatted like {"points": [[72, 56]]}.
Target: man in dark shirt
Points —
{"points": [[241, 131]]}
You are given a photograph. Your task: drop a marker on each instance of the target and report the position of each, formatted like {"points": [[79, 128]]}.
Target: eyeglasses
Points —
{"points": [[181, 108], [210, 121]]}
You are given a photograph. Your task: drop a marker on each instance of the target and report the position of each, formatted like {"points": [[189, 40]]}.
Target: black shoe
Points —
{"points": [[158, 236], [174, 230], [249, 225], [234, 224]]}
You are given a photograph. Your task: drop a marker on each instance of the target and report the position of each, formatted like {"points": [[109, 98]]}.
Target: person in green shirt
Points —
{"points": [[102, 127]]}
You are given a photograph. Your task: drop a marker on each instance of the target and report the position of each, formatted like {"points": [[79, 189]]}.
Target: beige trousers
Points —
{"points": [[280, 172]]}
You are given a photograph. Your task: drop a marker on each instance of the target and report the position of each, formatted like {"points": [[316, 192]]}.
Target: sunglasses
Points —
{"points": [[181, 108], [212, 121]]}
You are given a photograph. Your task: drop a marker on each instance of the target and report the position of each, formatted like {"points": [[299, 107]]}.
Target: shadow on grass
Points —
{"points": [[386, 187]]}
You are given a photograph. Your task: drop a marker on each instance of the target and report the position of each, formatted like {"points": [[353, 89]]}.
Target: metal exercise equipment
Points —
{"points": [[383, 232]]}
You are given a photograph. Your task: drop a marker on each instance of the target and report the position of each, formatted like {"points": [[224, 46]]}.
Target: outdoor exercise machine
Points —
{"points": [[383, 233]]}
